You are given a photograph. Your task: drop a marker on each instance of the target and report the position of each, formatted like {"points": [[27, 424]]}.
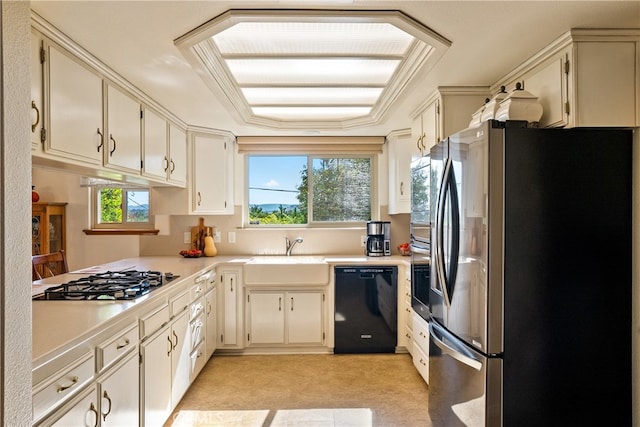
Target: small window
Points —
{"points": [[121, 208], [309, 190]]}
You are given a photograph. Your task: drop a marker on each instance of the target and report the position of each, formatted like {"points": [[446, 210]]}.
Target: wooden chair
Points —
{"points": [[49, 265]]}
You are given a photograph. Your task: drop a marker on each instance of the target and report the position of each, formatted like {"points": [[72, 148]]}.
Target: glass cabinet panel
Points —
{"points": [[48, 228]]}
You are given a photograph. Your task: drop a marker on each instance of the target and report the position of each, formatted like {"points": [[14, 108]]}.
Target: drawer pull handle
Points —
{"points": [[126, 343], [422, 362], [74, 381], [94, 411], [108, 399]]}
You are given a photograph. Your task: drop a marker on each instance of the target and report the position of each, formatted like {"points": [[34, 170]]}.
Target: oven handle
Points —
{"points": [[420, 249], [455, 352]]}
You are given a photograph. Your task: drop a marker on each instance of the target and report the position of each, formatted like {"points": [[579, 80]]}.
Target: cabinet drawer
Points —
{"points": [[197, 308], [116, 346], [179, 303], [421, 333], [198, 360], [196, 328], [408, 333], [198, 289], [63, 385], [421, 362], [408, 312], [153, 321]]}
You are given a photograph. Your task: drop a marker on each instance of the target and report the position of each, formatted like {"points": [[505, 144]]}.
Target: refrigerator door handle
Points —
{"points": [[459, 353], [439, 255]]}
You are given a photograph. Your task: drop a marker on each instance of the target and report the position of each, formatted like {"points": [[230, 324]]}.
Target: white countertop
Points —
{"points": [[58, 325]]}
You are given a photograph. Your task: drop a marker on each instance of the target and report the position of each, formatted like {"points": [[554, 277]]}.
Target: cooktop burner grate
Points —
{"points": [[121, 285]]}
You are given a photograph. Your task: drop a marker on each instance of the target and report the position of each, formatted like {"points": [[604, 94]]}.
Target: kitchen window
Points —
{"points": [[120, 209], [315, 190]]}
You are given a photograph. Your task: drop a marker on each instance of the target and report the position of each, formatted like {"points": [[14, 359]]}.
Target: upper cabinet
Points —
{"points": [[122, 120], [74, 108], [585, 78], [447, 111], [37, 91], [402, 149], [212, 174], [88, 119]]}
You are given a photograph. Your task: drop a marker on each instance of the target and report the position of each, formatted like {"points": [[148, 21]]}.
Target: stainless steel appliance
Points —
{"points": [[530, 292], [378, 238], [110, 285], [420, 235], [366, 309]]}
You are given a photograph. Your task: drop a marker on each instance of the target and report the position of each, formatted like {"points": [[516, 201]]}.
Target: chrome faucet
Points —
{"points": [[290, 244]]}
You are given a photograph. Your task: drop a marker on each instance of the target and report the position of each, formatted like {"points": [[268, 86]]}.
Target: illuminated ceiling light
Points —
{"points": [[294, 68]]}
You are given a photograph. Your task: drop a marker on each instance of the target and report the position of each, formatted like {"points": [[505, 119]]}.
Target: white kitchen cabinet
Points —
{"points": [[420, 353], [401, 150], [155, 380], [37, 91], [447, 111], [211, 337], [119, 397], [584, 78], [80, 411], [73, 109], [180, 360], [230, 309], [177, 156], [285, 317], [212, 174], [155, 143], [123, 150], [405, 313]]}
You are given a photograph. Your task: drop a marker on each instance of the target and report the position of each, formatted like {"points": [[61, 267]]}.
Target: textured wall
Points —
{"points": [[15, 182]]}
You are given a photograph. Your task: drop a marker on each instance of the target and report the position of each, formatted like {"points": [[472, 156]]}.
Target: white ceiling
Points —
{"points": [[136, 39]]}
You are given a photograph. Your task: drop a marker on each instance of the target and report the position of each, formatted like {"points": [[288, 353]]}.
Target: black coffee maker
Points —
{"points": [[378, 238]]}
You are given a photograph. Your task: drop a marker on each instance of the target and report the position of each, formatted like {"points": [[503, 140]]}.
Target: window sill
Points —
{"points": [[119, 232]]}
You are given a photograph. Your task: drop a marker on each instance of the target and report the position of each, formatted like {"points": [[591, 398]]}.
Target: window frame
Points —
{"points": [[96, 225], [374, 159]]}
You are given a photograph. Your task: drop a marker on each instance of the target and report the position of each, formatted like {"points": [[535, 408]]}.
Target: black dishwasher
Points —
{"points": [[365, 319]]}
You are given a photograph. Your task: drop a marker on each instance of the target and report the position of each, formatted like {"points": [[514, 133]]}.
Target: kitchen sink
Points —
{"points": [[286, 270]]}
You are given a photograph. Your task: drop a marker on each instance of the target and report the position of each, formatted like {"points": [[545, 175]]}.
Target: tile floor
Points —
{"points": [[305, 390]]}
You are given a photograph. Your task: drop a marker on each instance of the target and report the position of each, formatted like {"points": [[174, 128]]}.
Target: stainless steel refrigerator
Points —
{"points": [[530, 293]]}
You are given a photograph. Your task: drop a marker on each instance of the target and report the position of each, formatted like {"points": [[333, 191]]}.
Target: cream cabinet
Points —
{"points": [[156, 160], [230, 309], [123, 137], [37, 91], [212, 174], [585, 78], [211, 323], [177, 156], [420, 353], [81, 411], [285, 317], [401, 151], [405, 313], [73, 108], [447, 111], [119, 400]]}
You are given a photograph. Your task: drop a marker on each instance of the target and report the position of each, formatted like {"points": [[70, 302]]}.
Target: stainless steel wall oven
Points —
{"points": [[420, 235]]}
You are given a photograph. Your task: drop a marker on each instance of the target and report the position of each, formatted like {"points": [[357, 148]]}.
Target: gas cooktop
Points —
{"points": [[110, 285]]}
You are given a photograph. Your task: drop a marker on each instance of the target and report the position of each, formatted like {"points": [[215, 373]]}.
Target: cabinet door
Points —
{"points": [[548, 82], [81, 411], [211, 324], [211, 180], [123, 129], [431, 126], [177, 155], [74, 109], [400, 151], [155, 393], [304, 317], [266, 317], [156, 160], [229, 309], [180, 360], [37, 90], [119, 404]]}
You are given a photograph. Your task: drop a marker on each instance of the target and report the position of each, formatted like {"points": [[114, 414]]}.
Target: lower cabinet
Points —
{"points": [[230, 309], [165, 370], [285, 317], [81, 411], [421, 346], [211, 321], [118, 399]]}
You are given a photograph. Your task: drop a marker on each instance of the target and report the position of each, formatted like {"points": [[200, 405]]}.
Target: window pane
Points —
{"points": [[137, 206], [341, 189], [110, 207], [276, 191]]}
